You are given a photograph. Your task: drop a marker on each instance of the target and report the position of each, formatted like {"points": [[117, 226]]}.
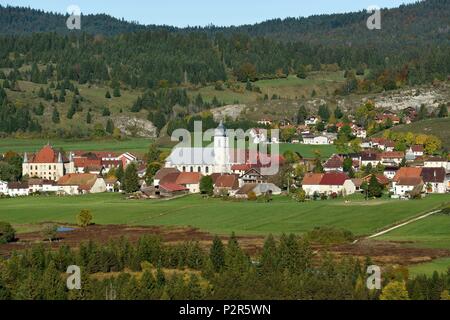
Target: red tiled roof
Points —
{"points": [[382, 179], [334, 162], [227, 181], [393, 155], [164, 172], [188, 178], [333, 179], [172, 187], [410, 181], [312, 179], [170, 178], [84, 180], [46, 155], [407, 172], [417, 148], [86, 162], [241, 167]]}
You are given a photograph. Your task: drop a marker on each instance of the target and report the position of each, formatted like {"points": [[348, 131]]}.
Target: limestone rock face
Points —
{"points": [[132, 126], [232, 111]]}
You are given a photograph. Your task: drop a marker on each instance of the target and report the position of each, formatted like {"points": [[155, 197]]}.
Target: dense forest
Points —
{"points": [[150, 270], [412, 48]]}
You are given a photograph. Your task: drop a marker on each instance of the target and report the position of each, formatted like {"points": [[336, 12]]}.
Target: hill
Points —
{"points": [[437, 127]]}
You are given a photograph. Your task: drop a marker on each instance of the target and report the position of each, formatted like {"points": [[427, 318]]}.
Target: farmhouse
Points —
{"points": [[42, 186], [328, 184], [437, 162], [81, 183], [371, 158], [185, 180], [311, 139], [335, 163], [434, 180], [226, 184], [392, 158], [259, 189], [18, 189], [408, 186]]}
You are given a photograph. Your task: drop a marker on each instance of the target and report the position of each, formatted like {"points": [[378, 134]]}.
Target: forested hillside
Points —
{"points": [[153, 66]]}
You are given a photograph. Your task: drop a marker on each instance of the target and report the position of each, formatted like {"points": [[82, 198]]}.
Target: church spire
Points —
{"points": [[59, 158], [25, 158]]}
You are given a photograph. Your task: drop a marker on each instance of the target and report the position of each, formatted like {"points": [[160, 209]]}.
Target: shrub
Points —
{"points": [[50, 232], [7, 233], [84, 218], [251, 196], [329, 235]]}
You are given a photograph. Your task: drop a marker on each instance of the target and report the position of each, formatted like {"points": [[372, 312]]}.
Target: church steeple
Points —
{"points": [[59, 158], [25, 158]]}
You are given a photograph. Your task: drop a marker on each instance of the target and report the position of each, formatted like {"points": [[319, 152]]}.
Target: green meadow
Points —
{"points": [[432, 232], [283, 215], [438, 265]]}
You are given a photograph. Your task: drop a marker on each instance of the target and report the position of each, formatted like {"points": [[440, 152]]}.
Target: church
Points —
{"points": [[207, 161]]}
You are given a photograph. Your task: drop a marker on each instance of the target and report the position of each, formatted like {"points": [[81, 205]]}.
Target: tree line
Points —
{"points": [[286, 268]]}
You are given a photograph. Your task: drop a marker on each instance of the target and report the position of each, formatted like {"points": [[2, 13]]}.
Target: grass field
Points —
{"points": [[138, 145], [217, 216], [439, 265], [432, 232], [308, 151]]}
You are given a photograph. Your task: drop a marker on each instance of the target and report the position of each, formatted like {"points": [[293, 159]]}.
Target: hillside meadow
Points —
{"points": [[283, 215]]}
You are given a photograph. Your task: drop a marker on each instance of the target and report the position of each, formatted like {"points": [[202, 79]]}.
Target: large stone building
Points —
{"points": [[216, 159], [47, 164]]}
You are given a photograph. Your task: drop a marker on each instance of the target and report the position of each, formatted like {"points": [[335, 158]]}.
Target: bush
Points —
{"points": [[251, 196], [84, 218], [329, 235], [7, 233], [50, 232], [446, 210]]}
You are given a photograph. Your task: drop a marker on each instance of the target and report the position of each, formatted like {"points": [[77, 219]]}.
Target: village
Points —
{"points": [[401, 174]]}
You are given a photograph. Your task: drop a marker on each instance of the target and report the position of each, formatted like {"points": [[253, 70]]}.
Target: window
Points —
{"points": [[184, 169], [199, 169], [207, 169], [192, 169]]}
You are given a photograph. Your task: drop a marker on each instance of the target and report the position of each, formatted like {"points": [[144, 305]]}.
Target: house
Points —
{"points": [[372, 158], [392, 158], [81, 183], [258, 135], [3, 187], [48, 164], [335, 163], [252, 176], [240, 169], [265, 122], [359, 132], [311, 121], [417, 150], [42, 186], [434, 180], [407, 187], [337, 183], [225, 184], [87, 162], [161, 174], [18, 189], [258, 188], [112, 184], [328, 183], [188, 180], [437, 162], [311, 183], [171, 190], [358, 185], [127, 158], [390, 172], [311, 139]]}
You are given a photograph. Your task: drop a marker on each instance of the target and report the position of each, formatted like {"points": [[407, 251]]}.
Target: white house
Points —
{"points": [[407, 185], [328, 183], [315, 140], [18, 189], [311, 121], [81, 183], [3, 187], [437, 162]]}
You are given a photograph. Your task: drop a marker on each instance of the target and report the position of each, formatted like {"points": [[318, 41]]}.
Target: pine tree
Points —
{"points": [[88, 118], [109, 126], [55, 116], [217, 254], [207, 185], [108, 95], [131, 179], [375, 189]]}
